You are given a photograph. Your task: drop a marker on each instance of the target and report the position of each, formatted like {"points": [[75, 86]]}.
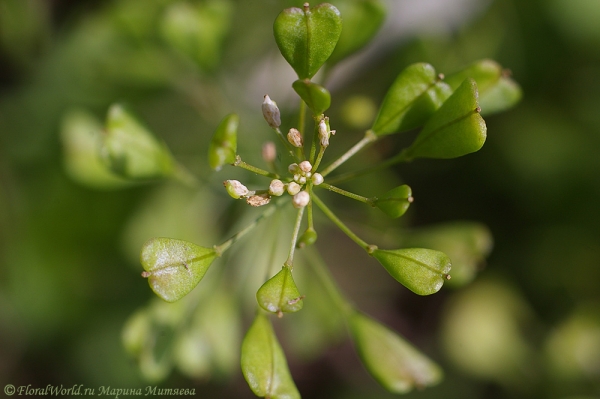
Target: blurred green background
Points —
{"points": [[527, 327]]}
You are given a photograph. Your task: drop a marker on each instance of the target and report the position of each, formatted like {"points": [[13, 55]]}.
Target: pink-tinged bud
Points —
{"points": [[301, 199], [295, 138], [235, 189], [271, 112], [305, 166], [269, 152], [276, 188], [317, 179]]}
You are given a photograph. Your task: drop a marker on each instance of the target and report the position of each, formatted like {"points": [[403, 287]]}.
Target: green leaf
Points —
{"points": [[362, 20], [174, 267], [263, 362], [130, 150], [280, 294], [395, 202], [392, 361], [414, 96], [315, 96], [306, 37], [223, 145], [497, 91], [456, 129], [423, 271]]}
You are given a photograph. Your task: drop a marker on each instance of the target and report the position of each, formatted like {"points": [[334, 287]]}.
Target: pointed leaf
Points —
{"points": [[280, 294], [315, 96], [223, 145], [395, 202], [306, 37], [362, 20], [423, 271], [263, 363], [413, 97], [130, 150], [497, 91], [392, 361], [174, 267], [456, 129]]}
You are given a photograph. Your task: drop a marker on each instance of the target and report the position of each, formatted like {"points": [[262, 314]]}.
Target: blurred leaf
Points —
{"points": [[263, 362], [81, 136], [456, 128], [24, 25], [423, 271], [467, 244], [497, 91], [414, 96], [130, 150], [392, 361], [136, 331], [307, 37], [395, 202], [362, 20], [315, 96], [223, 145], [174, 267], [280, 294]]}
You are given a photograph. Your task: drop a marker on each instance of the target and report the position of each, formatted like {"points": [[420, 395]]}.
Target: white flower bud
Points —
{"points": [[305, 166], [269, 152], [293, 188], [295, 138], [301, 199], [323, 133], [271, 112], [235, 188], [276, 188], [317, 179]]}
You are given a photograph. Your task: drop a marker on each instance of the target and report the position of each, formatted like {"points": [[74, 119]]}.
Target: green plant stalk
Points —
{"points": [[401, 157], [220, 249], [369, 138], [348, 194], [319, 158], [364, 245], [302, 118], [290, 260], [313, 144], [251, 168]]}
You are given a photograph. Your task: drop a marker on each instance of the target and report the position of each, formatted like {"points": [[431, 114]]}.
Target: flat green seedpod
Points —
{"points": [[263, 362], [395, 202], [223, 145], [174, 267], [393, 362], [307, 36], [130, 150], [279, 294], [456, 129], [412, 99], [315, 96], [423, 271]]}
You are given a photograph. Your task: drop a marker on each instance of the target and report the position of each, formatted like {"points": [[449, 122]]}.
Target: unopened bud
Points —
{"points": [[235, 188], [294, 168], [293, 188], [301, 199], [269, 152], [276, 188], [323, 133], [295, 138], [271, 112], [317, 179], [258, 200], [305, 166]]}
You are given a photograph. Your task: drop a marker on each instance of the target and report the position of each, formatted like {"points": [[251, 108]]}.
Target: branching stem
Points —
{"points": [[370, 137]]}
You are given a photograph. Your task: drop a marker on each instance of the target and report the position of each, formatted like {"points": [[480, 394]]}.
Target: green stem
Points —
{"points": [[367, 247], [219, 249], [323, 274], [313, 144], [348, 194], [319, 158], [251, 168], [401, 157], [370, 137], [290, 260], [302, 118]]}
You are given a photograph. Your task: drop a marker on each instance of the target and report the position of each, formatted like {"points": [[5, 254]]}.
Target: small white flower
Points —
{"points": [[276, 188], [235, 188], [317, 179], [293, 188], [305, 166], [301, 199]]}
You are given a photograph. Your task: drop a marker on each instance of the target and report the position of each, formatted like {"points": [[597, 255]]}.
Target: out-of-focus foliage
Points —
{"points": [[67, 278]]}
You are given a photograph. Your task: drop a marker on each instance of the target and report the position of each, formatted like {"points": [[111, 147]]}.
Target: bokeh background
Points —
{"points": [[528, 326]]}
